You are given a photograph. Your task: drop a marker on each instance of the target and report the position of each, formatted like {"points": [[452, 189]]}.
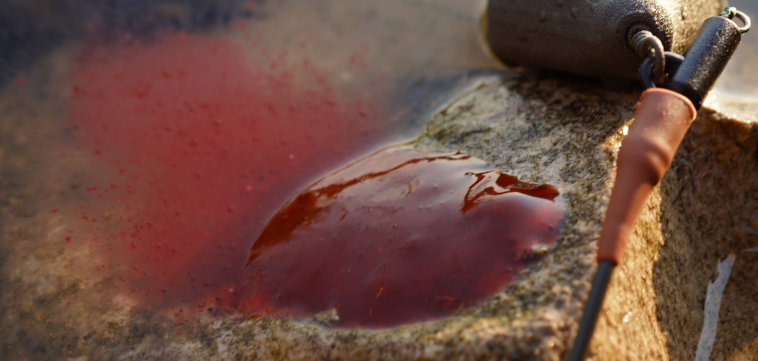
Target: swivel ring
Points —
{"points": [[732, 12], [745, 21], [673, 60], [649, 46]]}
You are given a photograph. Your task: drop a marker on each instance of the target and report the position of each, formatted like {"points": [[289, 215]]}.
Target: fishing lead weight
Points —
{"points": [[589, 37]]}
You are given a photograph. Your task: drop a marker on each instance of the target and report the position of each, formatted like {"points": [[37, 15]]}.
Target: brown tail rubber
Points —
{"points": [[660, 122]]}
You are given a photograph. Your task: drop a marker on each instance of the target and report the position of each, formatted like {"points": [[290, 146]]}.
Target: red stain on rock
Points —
{"points": [[399, 236], [194, 147]]}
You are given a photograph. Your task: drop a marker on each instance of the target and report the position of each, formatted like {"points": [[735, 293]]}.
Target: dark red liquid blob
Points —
{"points": [[399, 236], [193, 145]]}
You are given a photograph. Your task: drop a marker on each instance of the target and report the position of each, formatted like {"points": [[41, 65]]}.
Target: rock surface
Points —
{"points": [[560, 132]]}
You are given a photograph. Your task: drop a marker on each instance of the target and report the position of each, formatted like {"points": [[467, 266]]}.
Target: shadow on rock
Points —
{"points": [[708, 211]]}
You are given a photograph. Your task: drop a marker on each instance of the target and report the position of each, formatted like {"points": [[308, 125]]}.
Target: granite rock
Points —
{"points": [[561, 132]]}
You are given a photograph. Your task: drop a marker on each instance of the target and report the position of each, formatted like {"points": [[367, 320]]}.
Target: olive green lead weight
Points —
{"points": [[590, 37]]}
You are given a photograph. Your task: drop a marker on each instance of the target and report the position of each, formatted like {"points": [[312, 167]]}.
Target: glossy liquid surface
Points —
{"points": [[399, 236]]}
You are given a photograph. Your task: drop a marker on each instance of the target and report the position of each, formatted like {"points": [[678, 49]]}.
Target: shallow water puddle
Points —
{"points": [[400, 236]]}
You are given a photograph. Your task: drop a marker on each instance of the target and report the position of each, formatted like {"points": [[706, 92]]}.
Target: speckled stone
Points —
{"points": [[561, 132]]}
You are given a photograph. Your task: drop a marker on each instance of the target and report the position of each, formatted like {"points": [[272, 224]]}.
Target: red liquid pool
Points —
{"points": [[399, 236], [194, 146]]}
